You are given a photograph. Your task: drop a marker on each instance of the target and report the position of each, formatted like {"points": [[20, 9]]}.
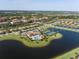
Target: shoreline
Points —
{"points": [[68, 54], [69, 29], [58, 27], [28, 42]]}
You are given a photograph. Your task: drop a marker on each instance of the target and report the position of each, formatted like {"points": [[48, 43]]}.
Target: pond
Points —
{"points": [[15, 49]]}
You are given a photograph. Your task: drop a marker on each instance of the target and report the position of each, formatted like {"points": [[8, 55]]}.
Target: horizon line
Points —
{"points": [[42, 10]]}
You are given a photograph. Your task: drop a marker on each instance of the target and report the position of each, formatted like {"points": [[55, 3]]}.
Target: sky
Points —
{"points": [[45, 5]]}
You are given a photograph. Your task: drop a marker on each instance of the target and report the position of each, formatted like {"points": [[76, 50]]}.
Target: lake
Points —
{"points": [[12, 49]]}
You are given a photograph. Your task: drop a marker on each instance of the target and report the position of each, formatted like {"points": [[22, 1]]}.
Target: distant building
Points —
{"points": [[24, 21], [4, 23], [15, 21], [3, 19], [2, 32]]}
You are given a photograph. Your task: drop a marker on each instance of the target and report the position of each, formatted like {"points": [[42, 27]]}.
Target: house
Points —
{"points": [[3, 23], [2, 32], [24, 21], [15, 21], [33, 34], [3, 19]]}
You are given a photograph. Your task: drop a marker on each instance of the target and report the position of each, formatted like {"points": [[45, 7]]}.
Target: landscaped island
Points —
{"points": [[31, 43]]}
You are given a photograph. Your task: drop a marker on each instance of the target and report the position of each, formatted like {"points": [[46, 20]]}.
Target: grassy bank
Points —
{"points": [[29, 42], [68, 55]]}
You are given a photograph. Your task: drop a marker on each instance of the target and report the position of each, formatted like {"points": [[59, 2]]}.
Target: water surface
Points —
{"points": [[12, 49]]}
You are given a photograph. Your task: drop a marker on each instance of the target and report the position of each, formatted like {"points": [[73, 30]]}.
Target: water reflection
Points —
{"points": [[14, 49]]}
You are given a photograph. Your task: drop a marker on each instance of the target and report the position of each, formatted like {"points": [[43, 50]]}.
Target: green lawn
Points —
{"points": [[68, 55], [28, 42]]}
